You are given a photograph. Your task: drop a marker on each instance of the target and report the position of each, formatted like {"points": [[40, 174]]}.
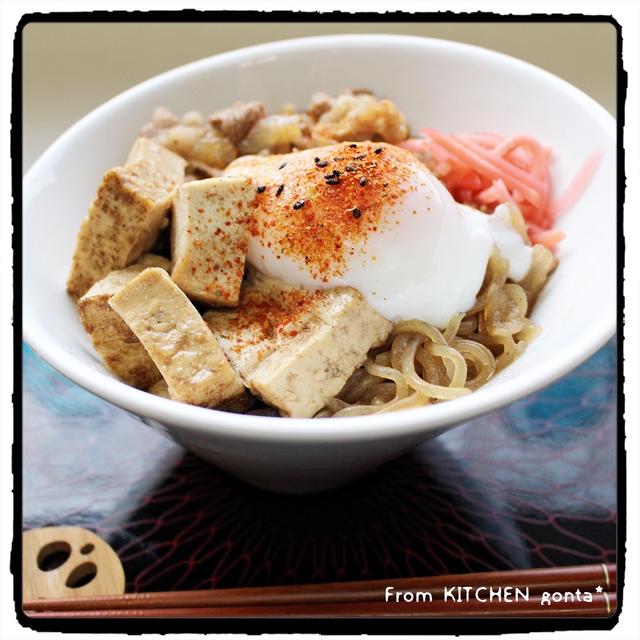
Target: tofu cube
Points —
{"points": [[149, 152], [160, 389], [128, 212], [117, 345], [296, 348], [239, 404], [178, 340], [209, 238], [269, 313]]}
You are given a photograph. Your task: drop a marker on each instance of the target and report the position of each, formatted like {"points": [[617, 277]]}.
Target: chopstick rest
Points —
{"points": [[67, 562]]}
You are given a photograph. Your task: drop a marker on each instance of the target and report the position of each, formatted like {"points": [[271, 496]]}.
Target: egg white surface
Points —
{"points": [[426, 260]]}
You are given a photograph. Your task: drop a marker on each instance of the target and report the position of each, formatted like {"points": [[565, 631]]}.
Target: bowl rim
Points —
{"points": [[307, 430]]}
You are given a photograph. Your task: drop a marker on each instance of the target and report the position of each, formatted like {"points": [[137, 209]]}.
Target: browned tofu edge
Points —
{"points": [[179, 342], [118, 347], [127, 213]]}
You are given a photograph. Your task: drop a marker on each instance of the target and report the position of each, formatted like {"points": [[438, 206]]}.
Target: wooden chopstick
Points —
{"points": [[602, 605], [585, 577]]}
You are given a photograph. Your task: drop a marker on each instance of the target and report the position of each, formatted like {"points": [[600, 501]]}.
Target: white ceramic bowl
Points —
{"points": [[441, 84]]}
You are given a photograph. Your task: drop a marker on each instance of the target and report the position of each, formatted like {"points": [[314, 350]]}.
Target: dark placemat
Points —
{"points": [[531, 485]]}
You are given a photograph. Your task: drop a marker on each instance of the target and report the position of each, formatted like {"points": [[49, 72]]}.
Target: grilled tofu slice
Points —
{"points": [[209, 238], [117, 345], [160, 389], [177, 339], [129, 210], [240, 404], [295, 348], [270, 313]]}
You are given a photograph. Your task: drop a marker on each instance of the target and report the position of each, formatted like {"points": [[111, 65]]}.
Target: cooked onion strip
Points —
{"points": [[505, 310], [453, 326], [459, 376], [419, 385], [480, 357], [420, 327], [402, 388]]}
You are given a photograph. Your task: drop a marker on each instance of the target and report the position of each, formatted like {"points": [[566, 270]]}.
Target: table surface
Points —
{"points": [[531, 485]]}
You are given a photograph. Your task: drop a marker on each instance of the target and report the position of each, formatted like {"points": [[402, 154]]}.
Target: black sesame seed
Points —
{"points": [[316, 159], [338, 158], [356, 213], [332, 180], [298, 204], [283, 165], [322, 164], [353, 145], [385, 184], [261, 188], [378, 150], [279, 190], [334, 174], [363, 181], [350, 168], [360, 156]]}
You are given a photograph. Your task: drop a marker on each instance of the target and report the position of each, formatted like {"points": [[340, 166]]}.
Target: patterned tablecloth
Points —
{"points": [[531, 485]]}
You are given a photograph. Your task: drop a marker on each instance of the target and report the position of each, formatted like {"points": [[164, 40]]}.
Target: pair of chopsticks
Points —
{"points": [[366, 598]]}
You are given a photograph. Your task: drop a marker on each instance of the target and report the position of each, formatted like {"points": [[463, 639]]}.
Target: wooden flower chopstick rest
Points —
{"points": [[62, 562]]}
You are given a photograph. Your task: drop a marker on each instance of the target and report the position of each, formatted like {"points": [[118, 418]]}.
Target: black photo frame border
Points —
{"points": [[424, 626]]}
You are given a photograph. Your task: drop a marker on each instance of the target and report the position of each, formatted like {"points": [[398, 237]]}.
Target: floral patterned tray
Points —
{"points": [[531, 485]]}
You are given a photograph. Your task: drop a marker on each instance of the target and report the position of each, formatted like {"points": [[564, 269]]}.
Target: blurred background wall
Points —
{"points": [[71, 68]]}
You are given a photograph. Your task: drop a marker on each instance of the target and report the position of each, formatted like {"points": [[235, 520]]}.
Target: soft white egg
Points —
{"points": [[370, 216]]}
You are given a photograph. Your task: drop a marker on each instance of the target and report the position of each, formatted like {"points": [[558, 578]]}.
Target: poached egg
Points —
{"points": [[371, 216]]}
